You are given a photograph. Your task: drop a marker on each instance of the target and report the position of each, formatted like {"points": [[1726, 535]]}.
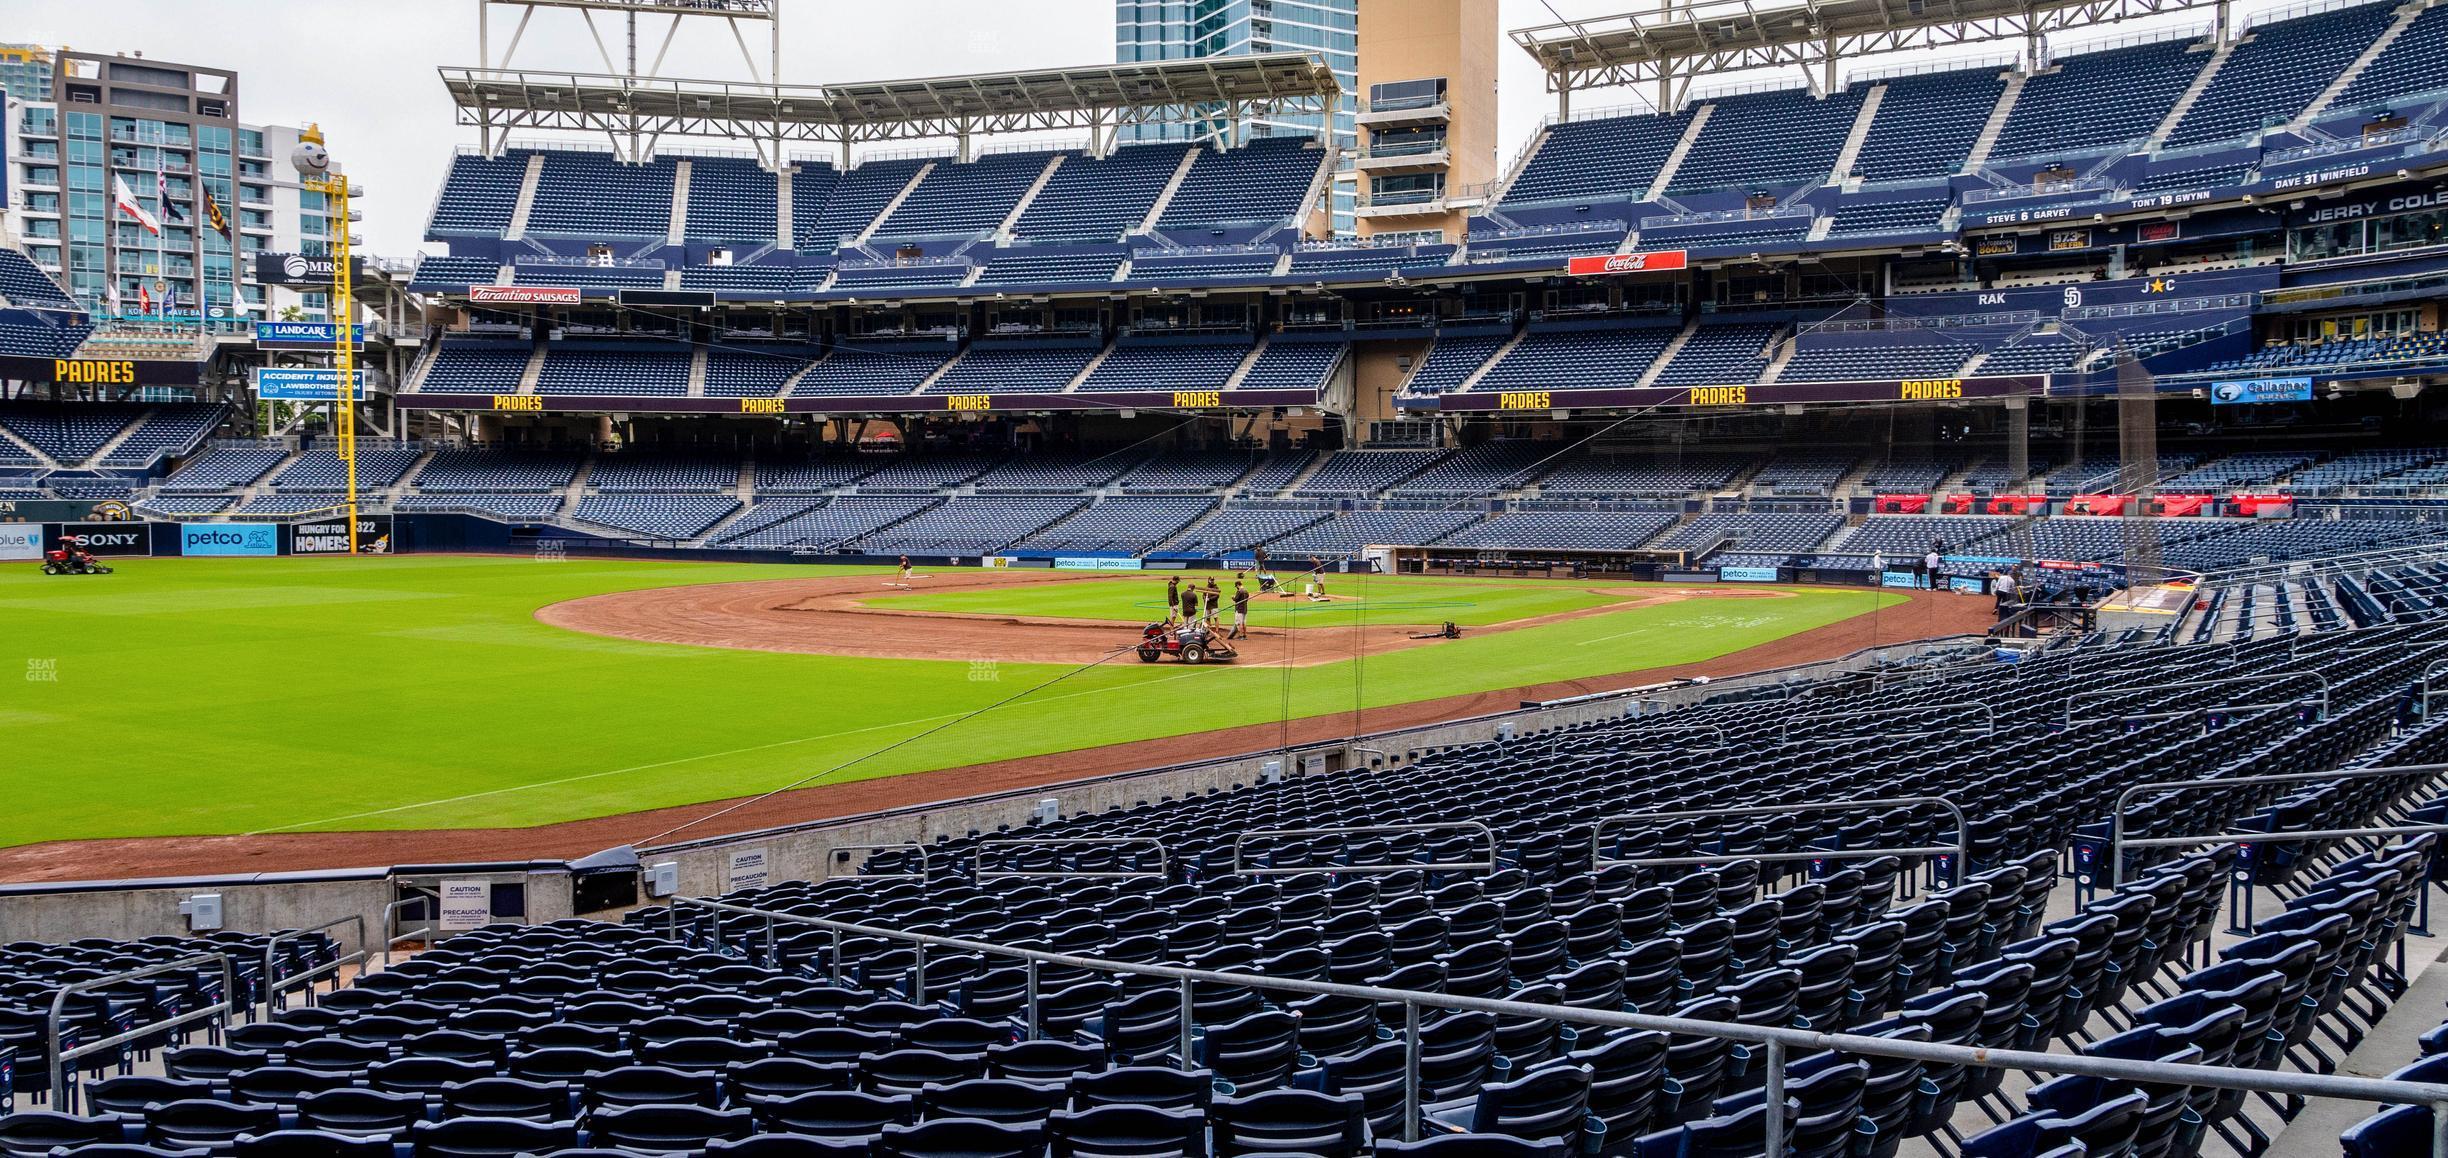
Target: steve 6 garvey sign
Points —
{"points": [[1658, 261]]}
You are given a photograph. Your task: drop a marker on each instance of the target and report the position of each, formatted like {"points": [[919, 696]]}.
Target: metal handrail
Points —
{"points": [[2273, 677], [274, 1001], [1240, 869], [2206, 709], [1776, 1041], [394, 936], [1988, 713], [1961, 850], [2118, 843], [1164, 863], [56, 1059], [926, 863]]}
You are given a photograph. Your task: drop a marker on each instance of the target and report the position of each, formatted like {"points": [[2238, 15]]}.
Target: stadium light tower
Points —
{"points": [[313, 164]]}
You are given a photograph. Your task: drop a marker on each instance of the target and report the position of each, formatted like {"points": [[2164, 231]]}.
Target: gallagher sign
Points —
{"points": [[2250, 390], [1659, 261]]}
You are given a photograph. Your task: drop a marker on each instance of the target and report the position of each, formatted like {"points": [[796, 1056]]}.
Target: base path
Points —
{"points": [[1925, 615], [835, 617]]}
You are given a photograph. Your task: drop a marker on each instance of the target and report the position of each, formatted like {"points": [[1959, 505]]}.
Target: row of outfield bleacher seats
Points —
{"points": [[590, 195]]}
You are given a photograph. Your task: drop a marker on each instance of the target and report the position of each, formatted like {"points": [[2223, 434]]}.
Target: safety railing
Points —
{"points": [[2118, 842], [2424, 694], [2271, 680], [394, 936], [1960, 851], [1988, 717], [840, 854], [277, 987], [1776, 1044], [1162, 872], [56, 1058], [1241, 868]]}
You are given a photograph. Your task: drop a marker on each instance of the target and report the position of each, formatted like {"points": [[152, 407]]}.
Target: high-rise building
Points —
{"points": [[25, 71], [166, 136], [1159, 30], [1428, 118]]}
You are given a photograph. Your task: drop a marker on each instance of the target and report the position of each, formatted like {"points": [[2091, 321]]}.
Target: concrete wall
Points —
{"points": [[252, 904], [1378, 370]]}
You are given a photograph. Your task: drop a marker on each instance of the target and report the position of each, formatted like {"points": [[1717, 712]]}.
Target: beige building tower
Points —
{"points": [[1427, 120]]}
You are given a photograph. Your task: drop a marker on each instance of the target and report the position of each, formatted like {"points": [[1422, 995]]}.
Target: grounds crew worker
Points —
{"points": [[1189, 603], [1240, 626], [1172, 596], [1212, 596]]}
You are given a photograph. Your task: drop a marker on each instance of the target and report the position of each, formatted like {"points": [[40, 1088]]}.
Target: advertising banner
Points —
{"points": [[303, 383], [66, 511], [2249, 390], [466, 904], [304, 335], [1096, 563], [330, 536], [300, 269], [229, 539], [1747, 574], [524, 294], [1966, 584], [20, 542], [1898, 579], [105, 538], [1656, 261]]}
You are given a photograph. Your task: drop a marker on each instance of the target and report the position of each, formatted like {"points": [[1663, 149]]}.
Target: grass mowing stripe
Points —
{"points": [[218, 696]]}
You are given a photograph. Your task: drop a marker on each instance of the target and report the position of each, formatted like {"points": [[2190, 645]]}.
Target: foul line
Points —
{"points": [[912, 722]]}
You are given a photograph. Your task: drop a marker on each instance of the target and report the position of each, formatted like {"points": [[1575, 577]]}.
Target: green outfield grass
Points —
{"points": [[1372, 599], [206, 696]]}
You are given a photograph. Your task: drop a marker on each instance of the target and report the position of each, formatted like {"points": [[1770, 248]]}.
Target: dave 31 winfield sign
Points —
{"points": [[1658, 261]]}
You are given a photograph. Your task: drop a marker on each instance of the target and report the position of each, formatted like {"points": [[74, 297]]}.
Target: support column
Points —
{"points": [[2018, 437]]}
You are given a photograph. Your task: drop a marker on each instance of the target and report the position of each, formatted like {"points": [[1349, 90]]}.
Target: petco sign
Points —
{"points": [[229, 539], [1660, 261]]}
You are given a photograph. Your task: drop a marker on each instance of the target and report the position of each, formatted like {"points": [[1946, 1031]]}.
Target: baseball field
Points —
{"points": [[257, 696]]}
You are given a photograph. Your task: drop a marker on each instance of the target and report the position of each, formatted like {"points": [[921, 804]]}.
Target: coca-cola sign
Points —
{"points": [[1656, 261]]}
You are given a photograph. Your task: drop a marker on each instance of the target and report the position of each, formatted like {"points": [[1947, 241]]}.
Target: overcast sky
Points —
{"points": [[389, 122]]}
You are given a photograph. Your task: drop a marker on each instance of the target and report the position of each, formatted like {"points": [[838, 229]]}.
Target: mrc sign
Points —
{"points": [[1654, 261]]}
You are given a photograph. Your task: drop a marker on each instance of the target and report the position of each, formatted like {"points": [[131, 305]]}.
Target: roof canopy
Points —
{"points": [[1687, 39], [1097, 97]]}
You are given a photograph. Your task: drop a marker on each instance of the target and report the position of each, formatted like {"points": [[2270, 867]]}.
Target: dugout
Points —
{"points": [[1526, 563]]}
